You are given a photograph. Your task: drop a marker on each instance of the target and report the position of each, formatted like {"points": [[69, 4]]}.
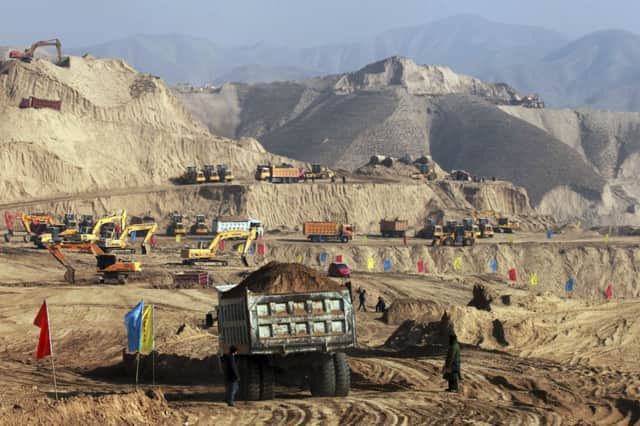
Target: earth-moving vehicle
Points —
{"points": [[431, 231], [224, 173], [506, 225], [28, 54], [124, 241], [32, 225], [200, 226], [209, 252], [328, 231], [394, 228], [58, 232], [470, 226], [103, 228], [457, 237], [85, 226], [109, 268], [284, 173], [234, 223], [176, 226], [319, 172], [210, 173], [192, 175], [294, 339], [486, 230]]}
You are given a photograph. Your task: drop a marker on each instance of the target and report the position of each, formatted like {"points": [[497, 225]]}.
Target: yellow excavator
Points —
{"points": [[123, 242], [109, 268], [209, 253], [98, 232]]}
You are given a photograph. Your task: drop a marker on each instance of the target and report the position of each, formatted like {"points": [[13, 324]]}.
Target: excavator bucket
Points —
{"points": [[70, 276]]}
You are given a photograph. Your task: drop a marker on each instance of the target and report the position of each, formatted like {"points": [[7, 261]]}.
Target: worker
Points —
{"points": [[344, 179], [451, 368], [381, 306], [333, 179], [231, 376], [363, 300]]}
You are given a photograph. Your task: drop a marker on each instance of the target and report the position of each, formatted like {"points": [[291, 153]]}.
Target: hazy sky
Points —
{"points": [[300, 22]]}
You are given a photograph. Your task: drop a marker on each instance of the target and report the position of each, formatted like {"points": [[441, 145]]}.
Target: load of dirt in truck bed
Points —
{"points": [[412, 309], [280, 278]]}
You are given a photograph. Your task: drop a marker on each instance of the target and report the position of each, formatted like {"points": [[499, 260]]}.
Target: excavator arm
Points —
{"points": [[121, 217], [150, 228], [209, 254], [30, 52], [56, 252]]}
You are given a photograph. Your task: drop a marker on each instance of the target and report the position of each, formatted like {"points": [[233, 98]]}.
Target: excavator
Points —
{"points": [[29, 52], [33, 225], [109, 268], [210, 253], [99, 230], [123, 243], [58, 232]]}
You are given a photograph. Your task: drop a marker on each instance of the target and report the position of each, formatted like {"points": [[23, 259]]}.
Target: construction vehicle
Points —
{"points": [[104, 228], [58, 232], [32, 225], [192, 175], [176, 226], [234, 223], [200, 226], [284, 173], [225, 173], [38, 103], [328, 231], [29, 53], [209, 252], [486, 230], [85, 226], [210, 173], [292, 339], [319, 172], [109, 268], [126, 237], [430, 231], [470, 226], [456, 237], [460, 175], [394, 228], [506, 225]]}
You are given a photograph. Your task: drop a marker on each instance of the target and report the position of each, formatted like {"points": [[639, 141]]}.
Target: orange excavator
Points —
{"points": [[29, 52], [109, 268], [32, 224]]}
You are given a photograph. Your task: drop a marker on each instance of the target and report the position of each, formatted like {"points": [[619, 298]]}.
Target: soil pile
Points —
{"points": [[482, 298], [420, 334], [411, 309], [281, 278]]}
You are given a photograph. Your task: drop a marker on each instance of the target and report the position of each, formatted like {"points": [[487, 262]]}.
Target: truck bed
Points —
{"points": [[286, 323]]}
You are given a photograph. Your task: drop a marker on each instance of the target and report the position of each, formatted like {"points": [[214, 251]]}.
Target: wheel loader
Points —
{"points": [[456, 237]]}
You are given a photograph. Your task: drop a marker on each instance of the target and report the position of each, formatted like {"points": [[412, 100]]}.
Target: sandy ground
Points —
{"points": [[566, 360]]}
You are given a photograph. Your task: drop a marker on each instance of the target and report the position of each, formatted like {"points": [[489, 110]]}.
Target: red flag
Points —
{"points": [[339, 258], [420, 266], [513, 275], [261, 249], [609, 291], [42, 321], [221, 245]]}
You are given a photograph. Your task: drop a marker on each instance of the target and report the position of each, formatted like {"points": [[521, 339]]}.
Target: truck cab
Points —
{"points": [[263, 173]]}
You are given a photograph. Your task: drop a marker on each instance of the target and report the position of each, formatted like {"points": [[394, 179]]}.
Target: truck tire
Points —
{"points": [[7, 237], [323, 381], [343, 374], [267, 381], [345, 240], [449, 241], [249, 379]]}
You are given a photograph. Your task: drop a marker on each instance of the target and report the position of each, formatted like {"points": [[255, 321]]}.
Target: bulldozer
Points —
{"points": [[28, 54], [209, 253], [506, 225], [224, 173], [210, 173], [456, 237], [130, 233], [319, 172], [109, 269], [200, 226], [470, 226], [176, 226], [486, 230], [192, 175]]}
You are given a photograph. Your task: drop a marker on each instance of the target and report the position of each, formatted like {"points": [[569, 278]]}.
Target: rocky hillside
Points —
{"points": [[117, 128], [570, 162]]}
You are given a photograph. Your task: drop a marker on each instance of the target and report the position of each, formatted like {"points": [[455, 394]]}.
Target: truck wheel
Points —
{"points": [[267, 381], [7, 237], [323, 382], [249, 379], [449, 241], [27, 238], [345, 240], [343, 374]]}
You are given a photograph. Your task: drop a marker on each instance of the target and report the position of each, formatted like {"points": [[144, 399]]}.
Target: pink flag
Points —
{"points": [[420, 266]]}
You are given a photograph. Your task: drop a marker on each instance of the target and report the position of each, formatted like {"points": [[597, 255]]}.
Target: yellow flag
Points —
{"points": [[457, 264], [510, 239], [240, 248], [299, 258], [606, 238], [147, 343], [178, 238], [534, 279], [370, 264]]}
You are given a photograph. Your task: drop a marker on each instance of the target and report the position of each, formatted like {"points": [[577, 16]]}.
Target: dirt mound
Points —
{"points": [[280, 278], [416, 333], [412, 309], [482, 298], [131, 408]]}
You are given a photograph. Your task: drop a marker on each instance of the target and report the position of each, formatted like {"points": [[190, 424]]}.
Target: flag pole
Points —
{"points": [[53, 365], [153, 350], [137, 367]]}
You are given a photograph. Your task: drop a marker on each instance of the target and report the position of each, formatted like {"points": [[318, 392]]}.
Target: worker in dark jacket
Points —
{"points": [[381, 306], [451, 369], [231, 375], [362, 299]]}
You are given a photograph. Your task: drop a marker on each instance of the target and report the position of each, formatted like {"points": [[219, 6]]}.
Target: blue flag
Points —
{"points": [[323, 257], [133, 323], [387, 265], [252, 249], [494, 265], [133, 236], [569, 285], [549, 234]]}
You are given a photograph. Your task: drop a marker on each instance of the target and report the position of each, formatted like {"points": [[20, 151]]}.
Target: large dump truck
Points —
{"points": [[394, 228], [284, 173], [328, 231], [293, 338]]}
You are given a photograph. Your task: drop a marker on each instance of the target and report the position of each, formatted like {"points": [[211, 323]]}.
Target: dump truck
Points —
{"points": [[394, 228], [292, 339], [284, 173], [328, 231], [319, 172], [37, 103]]}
